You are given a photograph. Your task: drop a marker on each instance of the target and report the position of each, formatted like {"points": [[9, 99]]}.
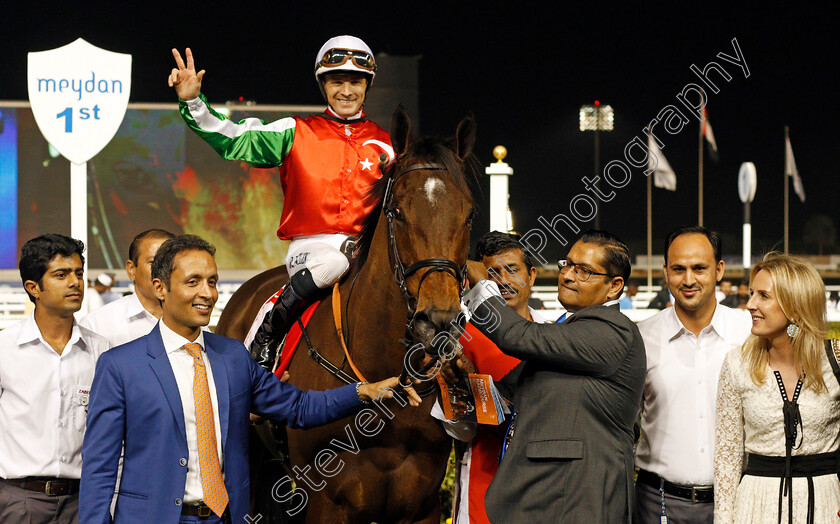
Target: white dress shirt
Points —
{"points": [[121, 321], [183, 367], [44, 400], [678, 417]]}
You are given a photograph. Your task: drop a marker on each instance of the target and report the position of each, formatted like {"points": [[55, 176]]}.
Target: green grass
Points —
{"points": [[447, 490], [833, 330]]}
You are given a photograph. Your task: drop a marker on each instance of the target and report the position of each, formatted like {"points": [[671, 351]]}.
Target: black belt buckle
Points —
{"points": [[700, 495]]}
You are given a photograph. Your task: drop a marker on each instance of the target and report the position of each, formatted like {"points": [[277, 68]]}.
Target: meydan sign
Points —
{"points": [[79, 94]]}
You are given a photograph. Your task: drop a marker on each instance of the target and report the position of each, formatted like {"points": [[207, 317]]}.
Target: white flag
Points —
{"points": [[790, 170], [663, 175]]}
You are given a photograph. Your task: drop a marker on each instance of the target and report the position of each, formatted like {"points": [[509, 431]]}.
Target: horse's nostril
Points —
{"points": [[421, 318], [431, 321]]}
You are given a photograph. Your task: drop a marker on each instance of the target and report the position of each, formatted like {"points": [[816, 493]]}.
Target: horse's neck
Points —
{"points": [[377, 305]]}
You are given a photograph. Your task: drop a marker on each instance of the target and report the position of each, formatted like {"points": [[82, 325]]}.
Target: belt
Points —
{"points": [[801, 465], [787, 467], [49, 486], [200, 510], [696, 494]]}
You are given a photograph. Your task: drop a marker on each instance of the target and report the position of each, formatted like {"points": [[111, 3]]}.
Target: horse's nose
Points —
{"points": [[431, 321]]}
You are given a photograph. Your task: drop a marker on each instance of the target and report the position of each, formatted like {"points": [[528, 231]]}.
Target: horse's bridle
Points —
{"points": [[402, 273]]}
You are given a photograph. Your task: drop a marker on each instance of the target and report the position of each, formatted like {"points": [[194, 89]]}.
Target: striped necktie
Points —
{"points": [[212, 483]]}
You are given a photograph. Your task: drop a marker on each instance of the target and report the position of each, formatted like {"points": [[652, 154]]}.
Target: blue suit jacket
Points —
{"points": [[134, 400]]}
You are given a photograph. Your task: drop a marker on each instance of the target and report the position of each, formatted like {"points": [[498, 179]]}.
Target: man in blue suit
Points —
{"points": [[179, 400]]}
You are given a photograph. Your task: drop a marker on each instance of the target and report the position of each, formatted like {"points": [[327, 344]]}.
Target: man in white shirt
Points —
{"points": [[94, 293], [132, 316], [685, 347], [724, 289], [46, 370]]}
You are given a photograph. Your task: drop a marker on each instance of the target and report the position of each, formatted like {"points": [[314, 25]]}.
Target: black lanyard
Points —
{"points": [[792, 419]]}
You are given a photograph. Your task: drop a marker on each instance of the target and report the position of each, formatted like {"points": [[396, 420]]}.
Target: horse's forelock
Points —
{"points": [[427, 149]]}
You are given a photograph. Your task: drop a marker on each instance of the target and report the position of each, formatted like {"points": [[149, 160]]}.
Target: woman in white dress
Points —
{"points": [[778, 405]]}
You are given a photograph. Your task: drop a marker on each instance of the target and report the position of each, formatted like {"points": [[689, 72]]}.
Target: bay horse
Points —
{"points": [[387, 463]]}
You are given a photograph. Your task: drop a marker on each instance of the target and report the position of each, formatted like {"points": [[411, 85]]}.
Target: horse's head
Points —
{"points": [[429, 211]]}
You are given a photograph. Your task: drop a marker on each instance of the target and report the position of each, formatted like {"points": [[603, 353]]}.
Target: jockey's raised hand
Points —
{"points": [[184, 79]]}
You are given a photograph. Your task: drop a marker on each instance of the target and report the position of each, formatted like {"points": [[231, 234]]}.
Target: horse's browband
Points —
{"points": [[415, 167]]}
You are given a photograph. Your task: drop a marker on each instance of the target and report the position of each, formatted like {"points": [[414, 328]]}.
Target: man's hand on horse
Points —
{"points": [[475, 272], [459, 365], [183, 78], [385, 389], [481, 291]]}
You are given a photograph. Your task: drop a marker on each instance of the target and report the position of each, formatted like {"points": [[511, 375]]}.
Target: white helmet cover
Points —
{"points": [[343, 42]]}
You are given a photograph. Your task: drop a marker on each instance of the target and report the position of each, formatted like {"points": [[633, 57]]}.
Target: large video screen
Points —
{"points": [[155, 173]]}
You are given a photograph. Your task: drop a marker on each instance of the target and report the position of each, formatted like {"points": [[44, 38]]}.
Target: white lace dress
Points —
{"points": [[750, 420]]}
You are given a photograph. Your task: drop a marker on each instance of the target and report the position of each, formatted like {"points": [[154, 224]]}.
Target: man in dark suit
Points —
{"points": [[179, 400], [577, 394]]}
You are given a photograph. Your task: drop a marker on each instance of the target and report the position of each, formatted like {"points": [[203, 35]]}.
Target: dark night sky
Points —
{"points": [[524, 71]]}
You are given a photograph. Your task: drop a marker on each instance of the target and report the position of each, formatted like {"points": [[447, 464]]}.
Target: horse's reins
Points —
{"points": [[401, 274]]}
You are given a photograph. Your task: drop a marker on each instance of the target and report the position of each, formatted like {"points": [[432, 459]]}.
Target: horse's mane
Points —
{"points": [[427, 149]]}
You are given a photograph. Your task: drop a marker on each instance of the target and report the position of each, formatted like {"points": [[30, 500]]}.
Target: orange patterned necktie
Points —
{"points": [[212, 483]]}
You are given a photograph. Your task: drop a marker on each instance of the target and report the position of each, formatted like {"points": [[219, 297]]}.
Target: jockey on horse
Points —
{"points": [[327, 164]]}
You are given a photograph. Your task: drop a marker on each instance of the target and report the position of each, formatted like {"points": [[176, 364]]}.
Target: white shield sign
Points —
{"points": [[79, 93]]}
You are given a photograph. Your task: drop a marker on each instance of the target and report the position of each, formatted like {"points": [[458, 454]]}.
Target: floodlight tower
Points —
{"points": [[597, 118]]}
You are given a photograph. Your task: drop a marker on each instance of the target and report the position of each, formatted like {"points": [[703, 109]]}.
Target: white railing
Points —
{"points": [[14, 303]]}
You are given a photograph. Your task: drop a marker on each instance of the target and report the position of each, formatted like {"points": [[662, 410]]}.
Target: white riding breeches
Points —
{"points": [[321, 255]]}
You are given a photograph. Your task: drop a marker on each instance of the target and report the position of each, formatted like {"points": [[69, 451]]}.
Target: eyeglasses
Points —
{"points": [[582, 273], [337, 57]]}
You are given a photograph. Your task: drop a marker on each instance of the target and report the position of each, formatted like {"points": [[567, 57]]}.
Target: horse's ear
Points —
{"points": [[400, 130], [465, 137]]}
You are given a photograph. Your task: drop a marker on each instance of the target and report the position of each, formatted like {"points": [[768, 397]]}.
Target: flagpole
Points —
{"points": [[649, 232], [700, 167], [787, 190]]}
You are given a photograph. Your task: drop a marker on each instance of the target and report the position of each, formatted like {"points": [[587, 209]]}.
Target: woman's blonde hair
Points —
{"points": [[801, 295]]}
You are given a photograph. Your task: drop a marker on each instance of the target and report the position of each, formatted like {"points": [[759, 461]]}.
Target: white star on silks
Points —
{"points": [[366, 164]]}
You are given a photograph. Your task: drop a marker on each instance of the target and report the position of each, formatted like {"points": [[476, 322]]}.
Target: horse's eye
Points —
{"points": [[398, 214], [470, 218]]}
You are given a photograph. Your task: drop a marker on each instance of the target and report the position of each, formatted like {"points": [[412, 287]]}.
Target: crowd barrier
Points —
{"points": [[14, 303]]}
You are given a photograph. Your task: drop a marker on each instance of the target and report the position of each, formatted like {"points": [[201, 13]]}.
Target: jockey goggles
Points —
{"points": [[338, 57]]}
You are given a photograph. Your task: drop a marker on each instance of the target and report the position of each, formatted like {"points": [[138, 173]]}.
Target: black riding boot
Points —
{"points": [[296, 296]]}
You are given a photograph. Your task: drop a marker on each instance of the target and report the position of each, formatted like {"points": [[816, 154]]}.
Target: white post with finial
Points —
{"points": [[499, 172]]}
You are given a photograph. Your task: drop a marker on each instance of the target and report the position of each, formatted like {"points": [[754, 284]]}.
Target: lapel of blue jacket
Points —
{"points": [[163, 369], [220, 377]]}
